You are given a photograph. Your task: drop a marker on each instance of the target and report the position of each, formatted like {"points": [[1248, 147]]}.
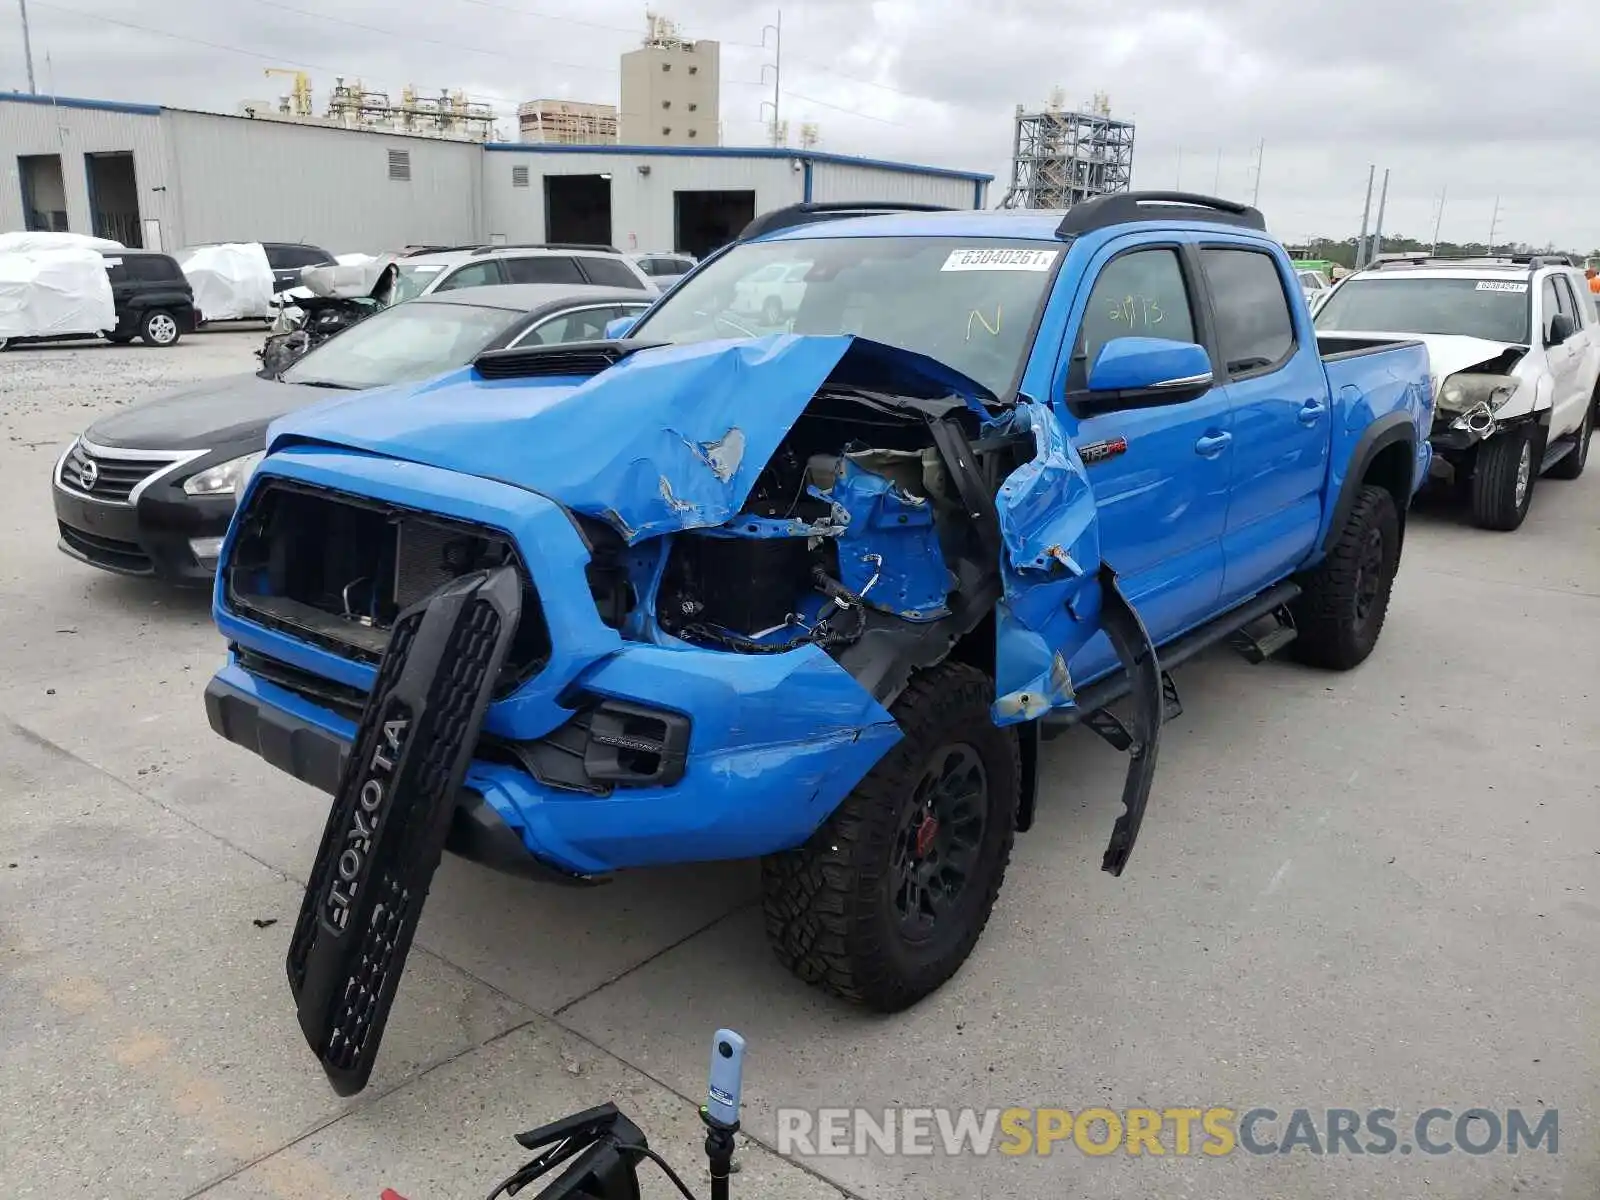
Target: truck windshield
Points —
{"points": [[397, 345], [1493, 309], [969, 303]]}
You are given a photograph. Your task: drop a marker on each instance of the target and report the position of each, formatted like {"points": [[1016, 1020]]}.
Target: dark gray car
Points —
{"points": [[150, 490]]}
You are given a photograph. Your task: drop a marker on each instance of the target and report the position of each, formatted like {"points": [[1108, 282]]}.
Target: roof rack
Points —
{"points": [[1121, 208], [810, 212], [1532, 261], [592, 247]]}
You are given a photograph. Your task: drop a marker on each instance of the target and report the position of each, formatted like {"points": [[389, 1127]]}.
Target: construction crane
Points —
{"points": [[298, 101]]}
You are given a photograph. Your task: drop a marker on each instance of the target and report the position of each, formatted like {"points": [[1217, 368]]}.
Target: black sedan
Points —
{"points": [[150, 490]]}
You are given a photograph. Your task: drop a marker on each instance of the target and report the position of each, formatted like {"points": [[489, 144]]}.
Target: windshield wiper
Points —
{"points": [[321, 383]]}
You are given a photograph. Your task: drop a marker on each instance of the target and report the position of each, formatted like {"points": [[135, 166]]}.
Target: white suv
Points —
{"points": [[483, 266], [1515, 349]]}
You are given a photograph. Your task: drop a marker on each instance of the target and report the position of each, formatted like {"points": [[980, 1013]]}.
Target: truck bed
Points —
{"points": [[1335, 348]]}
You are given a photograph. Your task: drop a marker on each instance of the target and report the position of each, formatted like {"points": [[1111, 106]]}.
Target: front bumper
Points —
{"points": [[151, 535], [775, 741]]}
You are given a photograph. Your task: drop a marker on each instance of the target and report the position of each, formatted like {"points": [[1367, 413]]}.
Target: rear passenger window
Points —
{"points": [[551, 268], [1569, 301], [1139, 294], [153, 268], [608, 272], [1254, 324], [481, 274]]}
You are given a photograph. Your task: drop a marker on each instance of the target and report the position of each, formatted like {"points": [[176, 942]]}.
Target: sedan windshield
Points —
{"points": [[1493, 309], [411, 341], [970, 304]]}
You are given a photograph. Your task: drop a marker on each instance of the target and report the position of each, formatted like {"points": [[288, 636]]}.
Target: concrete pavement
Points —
{"points": [[1375, 889]]}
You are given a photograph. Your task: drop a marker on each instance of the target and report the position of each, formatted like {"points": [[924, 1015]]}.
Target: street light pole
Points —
{"points": [[27, 47], [777, 72], [1439, 220]]}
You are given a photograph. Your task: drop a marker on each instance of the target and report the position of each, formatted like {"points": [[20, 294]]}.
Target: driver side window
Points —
{"points": [[1138, 294]]}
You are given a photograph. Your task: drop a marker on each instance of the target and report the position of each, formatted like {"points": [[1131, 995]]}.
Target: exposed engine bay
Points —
{"points": [[872, 529]]}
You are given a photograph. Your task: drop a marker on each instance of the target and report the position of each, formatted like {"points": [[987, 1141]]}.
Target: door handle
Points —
{"points": [[1212, 444], [1311, 411]]}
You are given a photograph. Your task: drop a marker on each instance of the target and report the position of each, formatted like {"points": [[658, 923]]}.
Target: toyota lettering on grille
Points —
{"points": [[88, 473], [372, 803]]}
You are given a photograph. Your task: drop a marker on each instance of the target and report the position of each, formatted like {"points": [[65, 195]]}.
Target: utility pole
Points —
{"points": [[777, 72], [1261, 153], [1383, 201], [1366, 215], [1216, 184], [27, 47], [1494, 224], [1439, 219]]}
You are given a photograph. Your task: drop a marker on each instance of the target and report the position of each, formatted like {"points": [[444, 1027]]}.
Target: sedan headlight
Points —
{"points": [[224, 479]]}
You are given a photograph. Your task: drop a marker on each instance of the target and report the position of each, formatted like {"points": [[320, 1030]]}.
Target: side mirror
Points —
{"points": [[1561, 328], [618, 329], [1143, 371]]}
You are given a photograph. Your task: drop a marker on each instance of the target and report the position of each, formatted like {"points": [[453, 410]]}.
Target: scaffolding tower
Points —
{"points": [[1061, 158]]}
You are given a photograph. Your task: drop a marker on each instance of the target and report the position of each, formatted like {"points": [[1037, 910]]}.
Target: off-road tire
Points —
{"points": [[829, 906], [1494, 480], [1337, 629], [160, 328], [1572, 465]]}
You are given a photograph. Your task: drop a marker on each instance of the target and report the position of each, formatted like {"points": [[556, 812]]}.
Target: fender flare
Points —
{"points": [[1378, 436]]}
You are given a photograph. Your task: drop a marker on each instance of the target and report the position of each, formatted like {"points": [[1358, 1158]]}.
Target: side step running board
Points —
{"points": [[1556, 451], [1116, 686], [387, 826]]}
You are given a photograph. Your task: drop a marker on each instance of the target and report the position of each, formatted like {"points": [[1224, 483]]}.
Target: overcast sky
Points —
{"points": [[1467, 96]]}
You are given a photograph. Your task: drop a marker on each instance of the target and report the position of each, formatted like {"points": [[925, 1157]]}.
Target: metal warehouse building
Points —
{"points": [[165, 178]]}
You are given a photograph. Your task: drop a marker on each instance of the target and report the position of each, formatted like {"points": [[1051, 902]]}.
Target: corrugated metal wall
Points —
{"points": [[835, 182], [272, 181], [643, 211], [72, 132]]}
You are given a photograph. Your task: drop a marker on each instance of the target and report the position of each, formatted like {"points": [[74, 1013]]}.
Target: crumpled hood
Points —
{"points": [[670, 438], [1447, 354]]}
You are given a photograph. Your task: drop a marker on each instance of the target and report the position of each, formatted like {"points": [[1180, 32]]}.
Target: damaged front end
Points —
{"points": [[701, 577], [1469, 408], [1473, 403]]}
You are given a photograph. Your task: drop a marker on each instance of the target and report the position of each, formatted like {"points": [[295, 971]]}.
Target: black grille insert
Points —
{"points": [[107, 552], [336, 570]]}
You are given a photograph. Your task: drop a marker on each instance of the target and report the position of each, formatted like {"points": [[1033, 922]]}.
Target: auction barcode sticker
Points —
{"points": [[1500, 285], [1000, 260]]}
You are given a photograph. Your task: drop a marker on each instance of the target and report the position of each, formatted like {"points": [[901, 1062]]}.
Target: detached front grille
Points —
{"points": [[338, 570], [106, 475]]}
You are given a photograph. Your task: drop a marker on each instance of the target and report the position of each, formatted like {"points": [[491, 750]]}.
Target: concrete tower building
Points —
{"points": [[671, 90]]}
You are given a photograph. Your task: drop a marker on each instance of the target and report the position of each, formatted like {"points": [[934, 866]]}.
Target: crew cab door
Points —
{"points": [[1565, 356], [1282, 413], [1161, 461]]}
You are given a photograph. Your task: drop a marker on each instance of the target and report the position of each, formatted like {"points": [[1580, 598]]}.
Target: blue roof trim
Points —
{"points": [[811, 156], [138, 110]]}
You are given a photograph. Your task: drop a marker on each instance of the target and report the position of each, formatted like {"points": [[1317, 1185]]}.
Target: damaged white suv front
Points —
{"points": [[1515, 348]]}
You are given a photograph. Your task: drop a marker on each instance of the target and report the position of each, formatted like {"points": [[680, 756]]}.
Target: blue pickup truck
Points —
{"points": [[813, 591]]}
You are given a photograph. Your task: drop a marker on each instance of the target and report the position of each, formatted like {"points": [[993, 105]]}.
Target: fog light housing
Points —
{"points": [[206, 550]]}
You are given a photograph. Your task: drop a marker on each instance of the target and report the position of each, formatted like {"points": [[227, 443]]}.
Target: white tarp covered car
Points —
{"points": [[232, 282], [54, 293], [30, 241]]}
